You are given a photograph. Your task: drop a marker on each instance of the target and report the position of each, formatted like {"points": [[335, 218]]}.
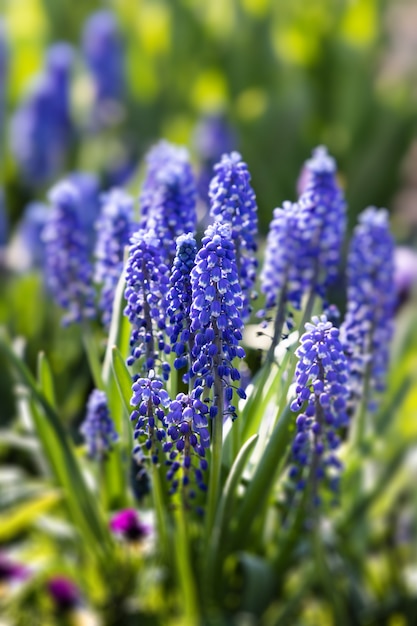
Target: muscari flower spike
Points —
{"points": [[179, 300], [216, 314], [41, 128], [233, 202], [67, 266], [321, 394], [104, 55], [371, 294], [212, 137], [98, 427], [115, 227], [145, 293], [149, 399], [168, 197], [324, 201], [187, 428], [88, 187], [34, 219]]}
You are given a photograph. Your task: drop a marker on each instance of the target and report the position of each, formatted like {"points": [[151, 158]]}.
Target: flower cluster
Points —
{"points": [[31, 226], [149, 399], [212, 138], [216, 312], [323, 199], [98, 427], [168, 197], [41, 128], [146, 288], [233, 202], [88, 187], [188, 430], [321, 393], [179, 299], [368, 325], [114, 230], [67, 266], [103, 51]]}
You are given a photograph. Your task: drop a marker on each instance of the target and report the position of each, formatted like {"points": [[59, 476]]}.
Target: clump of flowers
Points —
{"points": [[98, 427]]}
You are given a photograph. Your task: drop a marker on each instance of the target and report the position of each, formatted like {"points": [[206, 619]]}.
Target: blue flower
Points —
{"points": [[179, 300], [212, 137], [104, 55], [321, 394], [146, 290], [41, 128], [88, 187], [233, 202], [323, 199], [98, 427], [67, 265], [216, 312], [114, 230], [168, 198], [187, 430], [150, 400], [368, 325], [31, 226]]}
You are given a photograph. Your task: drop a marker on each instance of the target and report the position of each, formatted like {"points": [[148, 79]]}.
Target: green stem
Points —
{"points": [[278, 326], [185, 572], [90, 347]]}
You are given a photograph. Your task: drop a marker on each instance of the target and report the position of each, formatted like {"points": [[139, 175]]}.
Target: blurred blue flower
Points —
{"points": [[179, 300], [213, 137], [115, 227], [324, 201], [104, 54], [321, 378], [168, 197], [98, 427], [41, 128], [371, 299], [145, 293], [4, 61], [67, 265], [233, 202], [30, 231], [88, 187]]}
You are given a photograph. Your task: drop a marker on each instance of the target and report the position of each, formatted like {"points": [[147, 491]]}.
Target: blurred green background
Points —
{"points": [[287, 76]]}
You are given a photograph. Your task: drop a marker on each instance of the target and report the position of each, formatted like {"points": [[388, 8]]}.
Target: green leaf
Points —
{"points": [[263, 479], [123, 378], [20, 517], [45, 379]]}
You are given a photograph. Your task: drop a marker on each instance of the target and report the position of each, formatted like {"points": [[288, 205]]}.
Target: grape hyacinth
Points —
{"points": [[212, 137], [67, 266], [145, 293], [216, 314], [98, 427], [324, 201], [168, 198], [41, 128], [321, 394], [233, 202], [103, 51], [179, 300], [188, 430], [114, 230], [149, 399], [368, 325], [34, 219], [88, 187]]}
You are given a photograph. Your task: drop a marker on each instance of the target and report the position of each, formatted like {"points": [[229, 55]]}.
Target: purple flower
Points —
{"points": [[88, 187], [67, 266], [168, 197], [233, 202], [10, 571], [179, 300], [146, 289], [41, 128], [189, 438], [128, 525], [216, 312], [368, 325], [212, 137], [104, 55], [114, 230], [34, 219], [64, 593], [98, 427], [321, 394], [149, 399], [323, 199], [405, 273]]}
